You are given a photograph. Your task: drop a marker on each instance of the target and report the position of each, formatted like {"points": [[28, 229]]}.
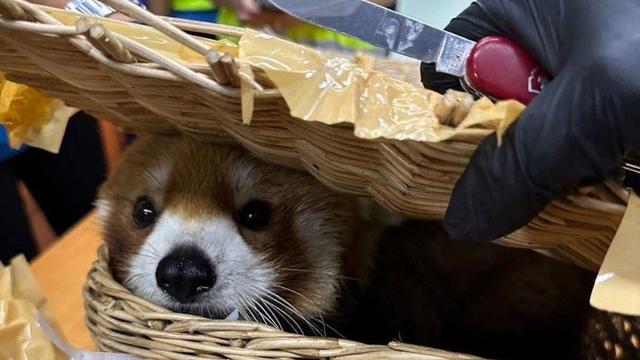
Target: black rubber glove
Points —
{"points": [[575, 133]]}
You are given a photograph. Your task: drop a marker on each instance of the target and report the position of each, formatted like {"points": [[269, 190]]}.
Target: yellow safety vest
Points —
{"points": [[192, 5], [307, 34]]}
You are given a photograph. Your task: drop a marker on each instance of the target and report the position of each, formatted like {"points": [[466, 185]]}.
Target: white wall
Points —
{"points": [[436, 13], [433, 12]]}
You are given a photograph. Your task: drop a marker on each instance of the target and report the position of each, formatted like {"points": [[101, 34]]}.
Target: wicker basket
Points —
{"points": [[121, 322], [157, 95]]}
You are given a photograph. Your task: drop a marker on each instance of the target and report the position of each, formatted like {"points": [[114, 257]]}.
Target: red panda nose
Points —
{"points": [[185, 273]]}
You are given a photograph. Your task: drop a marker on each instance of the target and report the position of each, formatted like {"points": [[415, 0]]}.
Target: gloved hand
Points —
{"points": [[575, 133]]}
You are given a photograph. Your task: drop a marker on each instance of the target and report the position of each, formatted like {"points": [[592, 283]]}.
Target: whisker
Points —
{"points": [[134, 277], [267, 307], [294, 270], [145, 255], [296, 327], [295, 311], [153, 249], [252, 317], [242, 312], [293, 324], [270, 320], [252, 303], [298, 312], [293, 292]]}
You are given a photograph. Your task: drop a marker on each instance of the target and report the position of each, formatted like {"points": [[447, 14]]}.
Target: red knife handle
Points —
{"points": [[498, 68]]}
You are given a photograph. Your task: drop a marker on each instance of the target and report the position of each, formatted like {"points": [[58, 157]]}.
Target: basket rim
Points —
{"points": [[118, 320]]}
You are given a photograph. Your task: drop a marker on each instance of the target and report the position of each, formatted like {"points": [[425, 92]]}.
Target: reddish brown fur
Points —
{"points": [[197, 180]]}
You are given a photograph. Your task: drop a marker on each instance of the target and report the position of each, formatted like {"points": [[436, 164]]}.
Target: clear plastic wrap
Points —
{"points": [[334, 89]]}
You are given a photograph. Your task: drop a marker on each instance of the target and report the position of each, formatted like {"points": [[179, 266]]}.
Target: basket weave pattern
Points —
{"points": [[121, 322], [413, 179]]}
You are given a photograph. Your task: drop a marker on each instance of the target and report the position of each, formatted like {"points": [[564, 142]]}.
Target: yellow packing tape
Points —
{"points": [[27, 330], [150, 37], [336, 90], [20, 303], [32, 117], [617, 287]]}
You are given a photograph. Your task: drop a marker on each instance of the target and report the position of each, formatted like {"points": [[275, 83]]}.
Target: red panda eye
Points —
{"points": [[255, 215], [144, 212]]}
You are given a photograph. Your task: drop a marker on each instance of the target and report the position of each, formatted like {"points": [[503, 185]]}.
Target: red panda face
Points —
{"points": [[209, 230]]}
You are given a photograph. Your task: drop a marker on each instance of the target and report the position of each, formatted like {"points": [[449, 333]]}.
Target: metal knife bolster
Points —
{"points": [[469, 88], [453, 55]]}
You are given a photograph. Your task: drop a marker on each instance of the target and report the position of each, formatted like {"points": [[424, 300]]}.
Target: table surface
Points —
{"points": [[62, 270]]}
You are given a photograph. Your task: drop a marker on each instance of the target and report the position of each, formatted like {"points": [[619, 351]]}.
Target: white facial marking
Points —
{"points": [[103, 209], [240, 272]]}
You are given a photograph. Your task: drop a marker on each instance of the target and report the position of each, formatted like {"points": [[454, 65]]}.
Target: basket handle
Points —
{"points": [[248, 84], [167, 28], [103, 40], [12, 10], [23, 10], [137, 13]]}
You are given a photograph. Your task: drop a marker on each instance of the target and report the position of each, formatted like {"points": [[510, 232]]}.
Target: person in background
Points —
{"points": [[196, 10], [255, 14], [63, 185]]}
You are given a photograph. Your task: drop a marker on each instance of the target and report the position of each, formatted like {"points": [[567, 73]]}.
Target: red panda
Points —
{"points": [[211, 230]]}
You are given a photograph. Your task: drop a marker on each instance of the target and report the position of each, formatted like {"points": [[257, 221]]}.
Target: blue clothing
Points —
{"points": [[204, 16], [6, 152]]}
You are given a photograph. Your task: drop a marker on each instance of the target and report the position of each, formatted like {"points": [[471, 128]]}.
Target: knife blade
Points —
{"points": [[384, 28]]}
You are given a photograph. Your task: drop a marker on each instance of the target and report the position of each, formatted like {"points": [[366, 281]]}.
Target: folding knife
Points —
{"points": [[494, 66]]}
